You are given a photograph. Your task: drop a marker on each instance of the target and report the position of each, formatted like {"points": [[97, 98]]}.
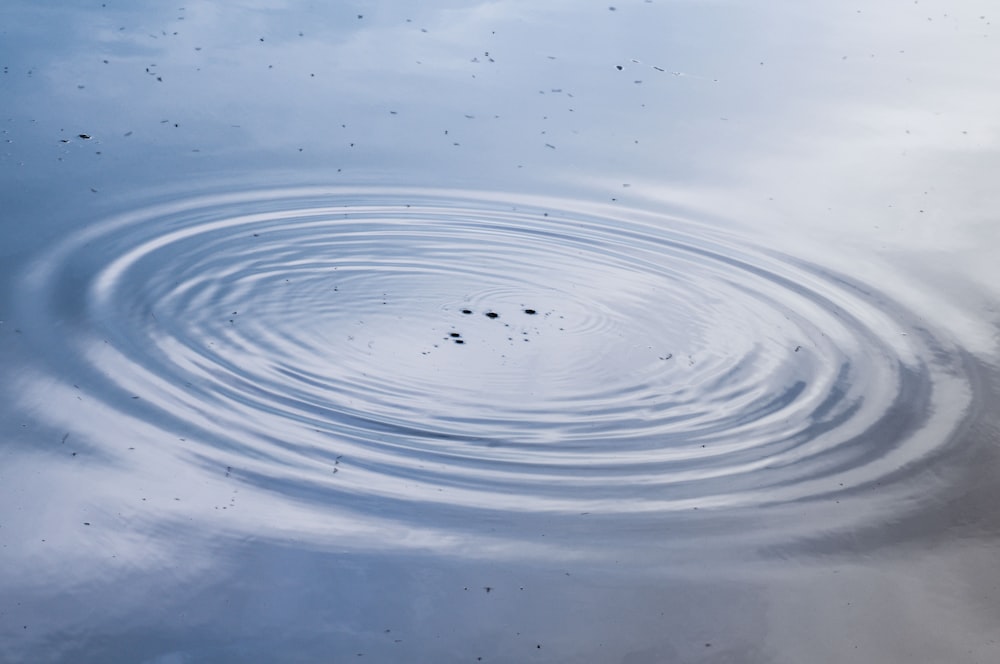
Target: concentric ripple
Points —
{"points": [[472, 351]]}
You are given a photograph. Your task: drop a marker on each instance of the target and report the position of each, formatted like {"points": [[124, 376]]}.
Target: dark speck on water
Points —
{"points": [[530, 312], [466, 311], [492, 314]]}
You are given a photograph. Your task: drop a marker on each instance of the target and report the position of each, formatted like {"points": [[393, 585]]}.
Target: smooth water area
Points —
{"points": [[501, 332]]}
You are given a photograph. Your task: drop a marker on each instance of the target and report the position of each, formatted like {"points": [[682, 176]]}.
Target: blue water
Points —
{"points": [[654, 332]]}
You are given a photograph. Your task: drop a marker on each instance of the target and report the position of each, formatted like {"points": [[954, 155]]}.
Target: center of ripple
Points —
{"points": [[452, 323]]}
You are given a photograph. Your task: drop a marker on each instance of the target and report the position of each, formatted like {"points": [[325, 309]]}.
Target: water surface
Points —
{"points": [[446, 333]]}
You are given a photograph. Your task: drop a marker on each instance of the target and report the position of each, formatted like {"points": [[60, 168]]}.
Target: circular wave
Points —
{"points": [[471, 351]]}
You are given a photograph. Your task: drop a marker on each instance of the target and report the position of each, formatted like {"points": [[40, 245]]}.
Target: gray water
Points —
{"points": [[501, 332]]}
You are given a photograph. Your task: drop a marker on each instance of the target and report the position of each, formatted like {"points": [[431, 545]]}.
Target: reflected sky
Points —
{"points": [[836, 161], [807, 123]]}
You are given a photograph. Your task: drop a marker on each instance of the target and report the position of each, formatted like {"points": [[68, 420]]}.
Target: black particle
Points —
{"points": [[619, 67], [530, 312], [459, 341], [466, 311], [455, 334], [492, 314], [85, 137]]}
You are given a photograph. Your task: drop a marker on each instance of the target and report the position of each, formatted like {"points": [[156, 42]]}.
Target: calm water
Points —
{"points": [[501, 332]]}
